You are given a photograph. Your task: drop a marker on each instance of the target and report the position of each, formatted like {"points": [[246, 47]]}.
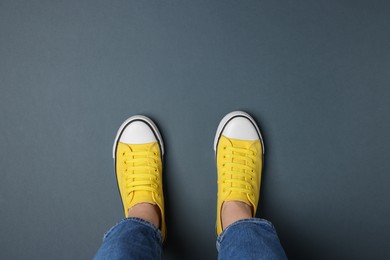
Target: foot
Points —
{"points": [[146, 211], [138, 152], [233, 211], [239, 153]]}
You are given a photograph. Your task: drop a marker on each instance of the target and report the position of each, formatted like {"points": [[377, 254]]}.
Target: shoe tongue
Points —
{"points": [[236, 195], [239, 144], [141, 196]]}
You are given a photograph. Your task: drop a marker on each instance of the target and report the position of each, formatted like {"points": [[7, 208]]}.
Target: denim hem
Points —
{"points": [[139, 221], [258, 221]]}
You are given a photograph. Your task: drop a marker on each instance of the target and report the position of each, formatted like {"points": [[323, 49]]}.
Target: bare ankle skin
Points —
{"points": [[146, 211], [233, 211]]}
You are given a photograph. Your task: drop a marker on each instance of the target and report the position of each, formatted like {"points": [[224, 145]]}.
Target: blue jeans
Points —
{"points": [[135, 238]]}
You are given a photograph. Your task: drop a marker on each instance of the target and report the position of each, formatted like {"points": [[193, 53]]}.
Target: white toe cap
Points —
{"points": [[137, 132], [240, 128]]}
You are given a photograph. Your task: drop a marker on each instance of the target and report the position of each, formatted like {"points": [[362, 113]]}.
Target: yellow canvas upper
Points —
{"points": [[139, 176], [239, 166]]}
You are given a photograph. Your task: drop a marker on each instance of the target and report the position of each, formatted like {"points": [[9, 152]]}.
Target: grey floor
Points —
{"points": [[314, 74]]}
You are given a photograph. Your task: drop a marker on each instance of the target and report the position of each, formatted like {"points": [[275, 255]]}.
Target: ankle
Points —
{"points": [[146, 211], [233, 211]]}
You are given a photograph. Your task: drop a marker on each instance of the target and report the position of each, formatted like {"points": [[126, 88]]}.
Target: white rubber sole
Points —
{"points": [[138, 118], [227, 118]]}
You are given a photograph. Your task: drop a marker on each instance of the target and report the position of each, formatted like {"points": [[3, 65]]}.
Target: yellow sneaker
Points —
{"points": [[239, 151], [138, 152]]}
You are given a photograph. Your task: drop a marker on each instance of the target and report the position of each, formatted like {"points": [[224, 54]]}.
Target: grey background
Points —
{"points": [[314, 74]]}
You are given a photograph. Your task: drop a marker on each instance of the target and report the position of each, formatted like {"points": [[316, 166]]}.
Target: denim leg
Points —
{"points": [[132, 238], [250, 239]]}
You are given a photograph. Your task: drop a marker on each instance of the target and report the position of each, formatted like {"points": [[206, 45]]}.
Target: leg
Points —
{"points": [[132, 238], [250, 239], [239, 152], [138, 151]]}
